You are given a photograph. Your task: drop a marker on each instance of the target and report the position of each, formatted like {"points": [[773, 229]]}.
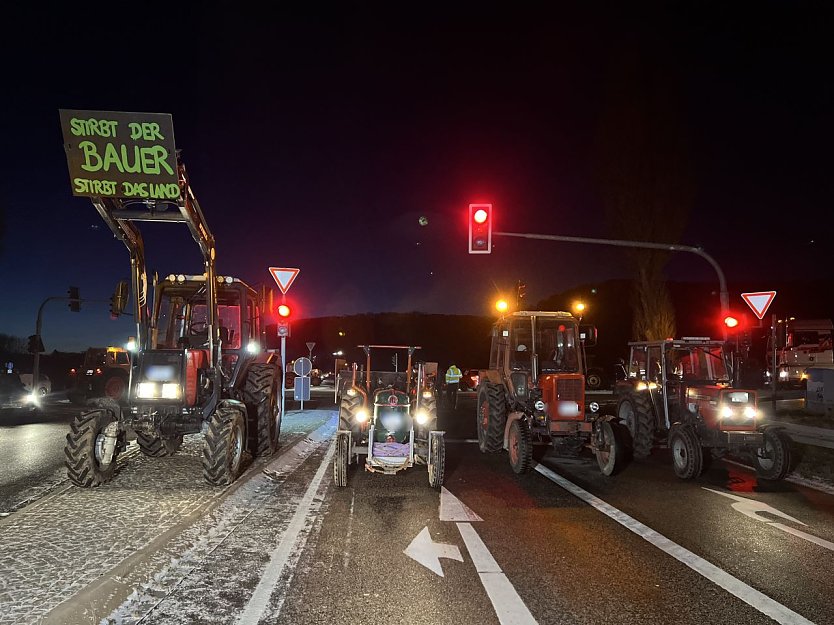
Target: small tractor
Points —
{"points": [[391, 419], [200, 364], [679, 393], [105, 372], [533, 393]]}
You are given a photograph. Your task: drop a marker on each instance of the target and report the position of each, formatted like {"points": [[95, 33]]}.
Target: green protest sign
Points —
{"points": [[124, 155]]}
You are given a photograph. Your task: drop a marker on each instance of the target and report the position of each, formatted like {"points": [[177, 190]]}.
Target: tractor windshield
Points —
{"points": [[182, 318], [699, 363], [557, 345]]}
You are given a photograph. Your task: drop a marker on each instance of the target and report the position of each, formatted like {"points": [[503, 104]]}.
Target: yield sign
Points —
{"points": [[284, 277], [759, 302]]}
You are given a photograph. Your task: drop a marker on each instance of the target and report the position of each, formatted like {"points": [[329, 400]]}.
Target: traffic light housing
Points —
{"points": [[118, 301], [480, 228], [284, 314], [35, 345], [74, 299]]}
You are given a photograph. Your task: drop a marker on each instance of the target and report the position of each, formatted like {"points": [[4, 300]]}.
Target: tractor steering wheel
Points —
{"points": [[198, 327]]}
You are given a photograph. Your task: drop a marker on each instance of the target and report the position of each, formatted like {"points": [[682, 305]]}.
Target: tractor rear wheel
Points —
{"points": [[158, 446], [261, 393], [687, 454], [348, 408], [223, 446], [84, 449], [520, 446], [773, 460], [611, 456], [341, 459], [492, 416], [635, 412], [436, 459]]}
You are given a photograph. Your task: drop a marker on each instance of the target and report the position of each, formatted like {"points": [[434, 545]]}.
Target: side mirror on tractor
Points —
{"points": [[588, 335]]}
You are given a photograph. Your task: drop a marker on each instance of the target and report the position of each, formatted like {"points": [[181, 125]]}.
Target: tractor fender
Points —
{"points": [[513, 416]]}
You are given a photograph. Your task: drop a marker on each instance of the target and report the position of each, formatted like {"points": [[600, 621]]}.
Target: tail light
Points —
{"points": [[73, 371], [99, 371]]}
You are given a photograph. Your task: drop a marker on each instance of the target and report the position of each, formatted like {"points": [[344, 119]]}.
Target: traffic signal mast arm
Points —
{"points": [[724, 296]]}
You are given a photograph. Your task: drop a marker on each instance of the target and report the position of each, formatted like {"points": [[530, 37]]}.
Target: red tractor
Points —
{"points": [[533, 393], [678, 393], [105, 372]]}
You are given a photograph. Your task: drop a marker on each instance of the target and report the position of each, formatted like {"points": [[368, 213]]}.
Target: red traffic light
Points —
{"points": [[284, 311], [731, 321], [480, 228]]}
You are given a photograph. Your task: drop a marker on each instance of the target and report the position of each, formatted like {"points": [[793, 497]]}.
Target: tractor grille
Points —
{"points": [[570, 390]]}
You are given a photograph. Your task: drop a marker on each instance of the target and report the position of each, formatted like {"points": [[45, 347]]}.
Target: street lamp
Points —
{"points": [[502, 306], [579, 309]]}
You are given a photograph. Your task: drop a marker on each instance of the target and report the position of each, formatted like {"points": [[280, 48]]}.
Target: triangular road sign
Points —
{"points": [[759, 302], [284, 277]]}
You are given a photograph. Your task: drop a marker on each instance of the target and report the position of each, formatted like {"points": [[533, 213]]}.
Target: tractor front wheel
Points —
{"points": [[348, 408], [773, 459], [341, 459], [437, 459], [611, 452], [520, 447], [223, 446], [687, 454], [86, 460], [492, 416]]}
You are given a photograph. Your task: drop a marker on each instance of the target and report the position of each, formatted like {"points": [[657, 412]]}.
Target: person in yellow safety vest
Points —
{"points": [[453, 376]]}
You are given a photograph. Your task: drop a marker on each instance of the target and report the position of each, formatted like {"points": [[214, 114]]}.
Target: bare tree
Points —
{"points": [[645, 179]]}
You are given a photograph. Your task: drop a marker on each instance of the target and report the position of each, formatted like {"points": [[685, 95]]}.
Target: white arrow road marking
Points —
{"points": [[428, 553], [453, 509], [809, 537], [733, 585], [751, 508], [508, 605]]}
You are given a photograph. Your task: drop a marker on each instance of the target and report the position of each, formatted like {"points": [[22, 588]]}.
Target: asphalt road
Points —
{"points": [[559, 545]]}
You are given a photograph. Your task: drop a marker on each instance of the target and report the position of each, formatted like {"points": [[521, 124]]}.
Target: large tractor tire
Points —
{"points": [[773, 460], [520, 446], [223, 446], [437, 459], [158, 446], [612, 454], [687, 454], [341, 459], [348, 408], [635, 412], [84, 449], [491, 416], [261, 393], [115, 387]]}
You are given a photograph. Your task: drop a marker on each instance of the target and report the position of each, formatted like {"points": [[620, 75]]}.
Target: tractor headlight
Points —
{"points": [[253, 348], [783, 375], [539, 405], [642, 386], [593, 406], [427, 394], [421, 417], [727, 412], [750, 412], [361, 415], [147, 390], [351, 392], [170, 391]]}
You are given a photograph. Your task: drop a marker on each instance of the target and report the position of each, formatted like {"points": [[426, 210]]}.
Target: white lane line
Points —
{"points": [[453, 509], [733, 585], [809, 537], [508, 605], [259, 601]]}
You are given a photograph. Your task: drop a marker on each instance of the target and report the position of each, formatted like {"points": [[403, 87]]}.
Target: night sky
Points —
{"points": [[318, 140]]}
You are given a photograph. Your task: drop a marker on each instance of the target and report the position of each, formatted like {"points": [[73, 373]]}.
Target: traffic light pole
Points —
{"points": [[724, 296]]}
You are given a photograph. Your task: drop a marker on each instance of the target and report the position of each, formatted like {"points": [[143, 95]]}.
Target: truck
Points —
{"points": [[533, 394], [800, 344], [200, 363]]}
